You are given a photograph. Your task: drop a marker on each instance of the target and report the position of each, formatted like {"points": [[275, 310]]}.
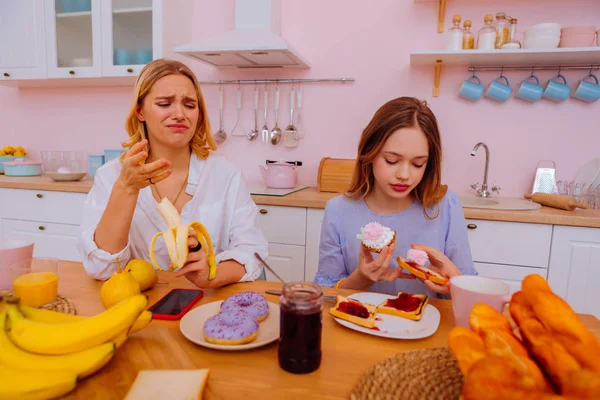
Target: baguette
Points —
{"points": [[467, 347], [561, 320], [354, 311], [406, 305], [421, 272], [484, 317]]}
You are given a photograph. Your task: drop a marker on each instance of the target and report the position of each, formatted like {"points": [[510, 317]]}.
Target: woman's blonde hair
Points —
{"points": [[403, 112], [202, 142]]}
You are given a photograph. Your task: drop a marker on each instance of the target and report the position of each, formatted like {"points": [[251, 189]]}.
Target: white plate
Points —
{"points": [[395, 327], [192, 325]]}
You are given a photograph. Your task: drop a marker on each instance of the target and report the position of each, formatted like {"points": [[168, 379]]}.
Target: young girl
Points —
{"points": [[397, 183]]}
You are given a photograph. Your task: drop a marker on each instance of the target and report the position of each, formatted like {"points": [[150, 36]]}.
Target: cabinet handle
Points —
{"points": [[129, 70], [39, 195], [6, 74], [472, 226], [263, 211], [41, 227], [72, 72]]}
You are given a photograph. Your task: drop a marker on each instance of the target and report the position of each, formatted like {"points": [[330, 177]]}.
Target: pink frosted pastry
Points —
{"points": [[253, 303], [419, 257], [375, 236], [231, 328]]}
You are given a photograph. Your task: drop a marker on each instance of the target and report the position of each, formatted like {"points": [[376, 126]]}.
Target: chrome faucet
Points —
{"points": [[483, 192]]}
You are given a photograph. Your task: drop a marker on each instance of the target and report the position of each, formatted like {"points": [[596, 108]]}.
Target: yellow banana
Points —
{"points": [[19, 384], [43, 338], [176, 238], [54, 317], [83, 363]]}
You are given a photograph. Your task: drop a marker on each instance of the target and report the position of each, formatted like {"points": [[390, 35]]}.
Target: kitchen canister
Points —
{"points": [[95, 161], [112, 154], [22, 168]]}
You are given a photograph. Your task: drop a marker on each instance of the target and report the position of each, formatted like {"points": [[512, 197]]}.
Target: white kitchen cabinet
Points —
{"points": [[314, 221], [22, 43], [283, 225], [574, 272], [512, 275], [73, 39], [131, 35], [287, 261], [510, 243]]}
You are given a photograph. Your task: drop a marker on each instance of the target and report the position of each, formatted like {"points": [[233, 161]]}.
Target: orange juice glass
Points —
{"points": [[35, 281]]}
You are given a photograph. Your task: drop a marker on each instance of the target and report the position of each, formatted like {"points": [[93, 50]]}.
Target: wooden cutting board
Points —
{"points": [[335, 174]]}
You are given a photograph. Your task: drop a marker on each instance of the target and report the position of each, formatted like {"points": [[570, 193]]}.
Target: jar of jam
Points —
{"points": [[301, 308]]}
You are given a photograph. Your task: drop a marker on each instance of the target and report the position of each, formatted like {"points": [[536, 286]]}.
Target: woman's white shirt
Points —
{"points": [[220, 201]]}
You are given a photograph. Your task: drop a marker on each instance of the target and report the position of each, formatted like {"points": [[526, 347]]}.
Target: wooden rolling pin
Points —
{"points": [[555, 200]]}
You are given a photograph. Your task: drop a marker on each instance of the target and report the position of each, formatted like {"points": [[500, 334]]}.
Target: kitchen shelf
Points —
{"points": [[529, 57], [74, 14], [132, 10]]}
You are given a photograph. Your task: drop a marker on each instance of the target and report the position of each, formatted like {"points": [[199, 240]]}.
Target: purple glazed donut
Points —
{"points": [[231, 328], [253, 303]]}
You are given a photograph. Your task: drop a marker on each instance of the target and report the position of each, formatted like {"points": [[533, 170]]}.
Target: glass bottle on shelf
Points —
{"points": [[455, 35], [502, 29], [512, 43], [486, 37], [468, 37]]}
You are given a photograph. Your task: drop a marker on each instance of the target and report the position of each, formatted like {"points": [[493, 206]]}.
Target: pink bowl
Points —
{"points": [[580, 28], [586, 40]]}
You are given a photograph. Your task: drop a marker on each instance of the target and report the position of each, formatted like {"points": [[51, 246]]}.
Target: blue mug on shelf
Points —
{"points": [[557, 91], [471, 89], [499, 91], [142, 56], [530, 91], [586, 90], [121, 57], [95, 162]]}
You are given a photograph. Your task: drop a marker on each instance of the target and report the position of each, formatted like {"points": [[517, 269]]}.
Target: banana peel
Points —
{"points": [[176, 239]]}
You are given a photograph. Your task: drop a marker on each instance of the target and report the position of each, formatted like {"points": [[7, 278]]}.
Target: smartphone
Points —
{"points": [[175, 304]]}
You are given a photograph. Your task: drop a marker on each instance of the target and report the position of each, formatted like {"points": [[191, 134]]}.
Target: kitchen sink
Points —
{"points": [[498, 203]]}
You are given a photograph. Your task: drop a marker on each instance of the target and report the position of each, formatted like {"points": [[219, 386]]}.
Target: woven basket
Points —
{"points": [[416, 375], [61, 304]]}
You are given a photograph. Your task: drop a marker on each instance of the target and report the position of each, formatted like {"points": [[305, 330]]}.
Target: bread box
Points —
{"points": [[335, 174]]}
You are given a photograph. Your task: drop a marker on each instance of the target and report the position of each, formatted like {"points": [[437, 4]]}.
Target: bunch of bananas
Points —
{"points": [[13, 151], [44, 353], [176, 239]]}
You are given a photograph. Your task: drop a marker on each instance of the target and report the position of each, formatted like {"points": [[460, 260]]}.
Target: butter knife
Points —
{"points": [[278, 293]]}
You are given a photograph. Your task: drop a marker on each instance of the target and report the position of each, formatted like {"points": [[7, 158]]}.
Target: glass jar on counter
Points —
{"points": [[502, 29], [486, 37], [455, 35], [468, 37], [301, 310]]}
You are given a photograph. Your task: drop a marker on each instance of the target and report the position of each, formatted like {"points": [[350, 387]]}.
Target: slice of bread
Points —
{"points": [[406, 305], [354, 311], [421, 272], [183, 384]]}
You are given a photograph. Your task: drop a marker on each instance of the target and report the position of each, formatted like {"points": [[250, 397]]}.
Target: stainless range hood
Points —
{"points": [[254, 43]]}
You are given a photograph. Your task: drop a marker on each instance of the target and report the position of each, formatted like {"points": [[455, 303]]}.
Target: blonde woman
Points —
{"points": [[170, 156]]}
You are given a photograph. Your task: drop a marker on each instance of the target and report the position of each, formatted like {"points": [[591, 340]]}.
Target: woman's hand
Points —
{"points": [[371, 270], [135, 175], [196, 266], [440, 264]]}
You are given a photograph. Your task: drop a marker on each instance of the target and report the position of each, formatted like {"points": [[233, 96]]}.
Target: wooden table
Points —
{"points": [[247, 374]]}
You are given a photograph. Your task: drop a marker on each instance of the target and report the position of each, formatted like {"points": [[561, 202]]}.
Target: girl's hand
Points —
{"points": [[135, 175], [440, 264], [378, 269]]}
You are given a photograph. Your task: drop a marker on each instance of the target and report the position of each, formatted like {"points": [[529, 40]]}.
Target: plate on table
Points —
{"points": [[192, 324], [395, 327]]}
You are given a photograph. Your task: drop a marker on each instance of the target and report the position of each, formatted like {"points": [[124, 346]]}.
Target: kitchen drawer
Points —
{"points": [[42, 205], [510, 243], [51, 240], [287, 261], [284, 225], [510, 274]]}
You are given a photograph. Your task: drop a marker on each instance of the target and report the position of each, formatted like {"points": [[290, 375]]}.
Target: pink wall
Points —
{"points": [[348, 38]]}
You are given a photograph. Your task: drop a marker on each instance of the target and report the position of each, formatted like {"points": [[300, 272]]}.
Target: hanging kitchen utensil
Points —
{"points": [[238, 128], [220, 136], [254, 132], [265, 128], [290, 135], [276, 132], [545, 178], [299, 124]]}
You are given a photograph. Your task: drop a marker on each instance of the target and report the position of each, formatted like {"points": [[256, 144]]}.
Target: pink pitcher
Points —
{"points": [[12, 251]]}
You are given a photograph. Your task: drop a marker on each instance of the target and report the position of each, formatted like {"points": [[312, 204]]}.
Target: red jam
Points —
{"points": [[418, 267], [353, 308], [404, 302]]}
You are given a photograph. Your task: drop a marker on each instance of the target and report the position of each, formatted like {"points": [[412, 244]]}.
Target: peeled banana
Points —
{"points": [[53, 317], [82, 364], [52, 339], [176, 239], [20, 384]]}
